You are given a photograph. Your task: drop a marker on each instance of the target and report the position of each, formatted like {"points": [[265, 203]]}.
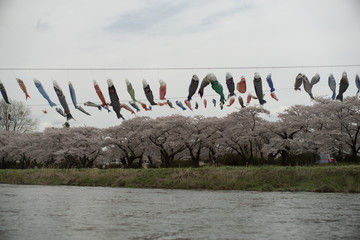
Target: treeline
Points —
{"points": [[244, 137]]}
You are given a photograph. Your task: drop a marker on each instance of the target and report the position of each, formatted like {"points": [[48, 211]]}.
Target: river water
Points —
{"points": [[66, 212]]}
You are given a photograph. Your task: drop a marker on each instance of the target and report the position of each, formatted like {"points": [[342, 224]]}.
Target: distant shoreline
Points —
{"points": [[265, 178]]}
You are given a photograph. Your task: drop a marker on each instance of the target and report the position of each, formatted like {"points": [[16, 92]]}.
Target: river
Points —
{"points": [[67, 212]]}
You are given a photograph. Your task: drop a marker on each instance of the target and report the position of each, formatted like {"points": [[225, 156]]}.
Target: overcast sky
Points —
{"points": [[161, 34]]}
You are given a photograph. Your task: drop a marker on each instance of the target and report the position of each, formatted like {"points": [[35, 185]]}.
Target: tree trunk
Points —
{"points": [[3, 164], [284, 157], [194, 158], [140, 161], [212, 153], [198, 156], [123, 161], [49, 162], [130, 161], [34, 163], [241, 153], [83, 161], [165, 158], [354, 154], [262, 158], [150, 160], [251, 155], [25, 162], [91, 162]]}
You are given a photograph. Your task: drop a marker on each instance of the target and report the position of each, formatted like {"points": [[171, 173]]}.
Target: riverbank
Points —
{"points": [[266, 178]]}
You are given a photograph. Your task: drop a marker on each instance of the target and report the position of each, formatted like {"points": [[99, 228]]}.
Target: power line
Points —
{"points": [[171, 68]]}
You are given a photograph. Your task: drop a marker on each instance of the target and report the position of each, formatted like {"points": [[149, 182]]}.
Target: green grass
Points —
{"points": [[264, 178]]}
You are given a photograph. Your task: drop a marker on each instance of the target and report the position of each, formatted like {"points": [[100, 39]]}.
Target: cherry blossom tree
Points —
{"points": [[128, 141], [28, 149], [287, 132], [215, 144], [245, 132], [196, 133], [7, 141], [66, 146], [53, 146], [339, 127], [84, 144], [163, 134]]}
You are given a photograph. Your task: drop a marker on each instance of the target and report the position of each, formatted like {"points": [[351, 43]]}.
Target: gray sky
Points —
{"points": [[209, 34]]}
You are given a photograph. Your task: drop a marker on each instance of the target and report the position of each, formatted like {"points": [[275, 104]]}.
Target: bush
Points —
{"points": [[69, 162], [258, 161], [231, 159], [273, 161], [181, 163], [302, 159], [345, 158], [349, 159]]}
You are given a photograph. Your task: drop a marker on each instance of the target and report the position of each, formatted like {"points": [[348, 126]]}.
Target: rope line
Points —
{"points": [[244, 95], [172, 68]]}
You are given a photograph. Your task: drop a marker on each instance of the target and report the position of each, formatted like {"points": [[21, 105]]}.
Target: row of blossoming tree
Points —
{"points": [[324, 127]]}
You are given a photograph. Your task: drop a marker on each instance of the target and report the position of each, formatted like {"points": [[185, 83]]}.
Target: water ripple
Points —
{"points": [[65, 212]]}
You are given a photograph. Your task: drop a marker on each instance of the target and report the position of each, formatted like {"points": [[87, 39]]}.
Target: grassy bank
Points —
{"points": [[269, 178]]}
